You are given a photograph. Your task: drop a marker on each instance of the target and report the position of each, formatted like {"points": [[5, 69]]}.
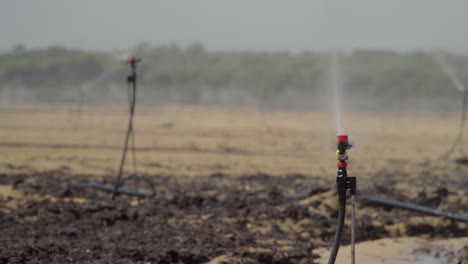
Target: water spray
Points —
{"points": [[345, 184], [335, 73], [83, 91], [450, 72]]}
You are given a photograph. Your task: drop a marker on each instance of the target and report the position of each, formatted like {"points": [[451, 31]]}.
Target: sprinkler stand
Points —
{"points": [[345, 183]]}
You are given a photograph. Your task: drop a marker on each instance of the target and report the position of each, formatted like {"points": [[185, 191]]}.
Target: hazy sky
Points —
{"points": [[238, 24]]}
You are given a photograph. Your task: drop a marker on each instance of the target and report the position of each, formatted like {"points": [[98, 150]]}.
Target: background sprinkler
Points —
{"points": [[115, 189], [450, 72], [345, 183], [458, 143]]}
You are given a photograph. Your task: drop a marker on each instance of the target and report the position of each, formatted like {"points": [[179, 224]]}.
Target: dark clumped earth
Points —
{"points": [[243, 219]]}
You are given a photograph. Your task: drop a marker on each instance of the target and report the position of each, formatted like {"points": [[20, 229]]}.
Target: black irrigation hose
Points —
{"points": [[413, 207], [148, 148], [339, 232], [370, 199], [108, 188]]}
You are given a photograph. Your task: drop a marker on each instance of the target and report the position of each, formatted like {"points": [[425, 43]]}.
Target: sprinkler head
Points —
{"points": [[133, 60], [342, 145], [342, 139]]}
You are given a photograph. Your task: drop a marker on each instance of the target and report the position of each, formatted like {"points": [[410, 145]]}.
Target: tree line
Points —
{"points": [[192, 72]]}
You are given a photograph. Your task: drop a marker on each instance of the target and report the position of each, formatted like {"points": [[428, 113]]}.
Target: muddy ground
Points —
{"points": [[219, 218]]}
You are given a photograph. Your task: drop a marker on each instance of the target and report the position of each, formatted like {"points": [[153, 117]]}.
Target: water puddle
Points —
{"points": [[400, 251]]}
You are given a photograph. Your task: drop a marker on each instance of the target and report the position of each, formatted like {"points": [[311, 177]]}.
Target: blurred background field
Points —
{"points": [[232, 125], [375, 80], [239, 105], [209, 151], [182, 140]]}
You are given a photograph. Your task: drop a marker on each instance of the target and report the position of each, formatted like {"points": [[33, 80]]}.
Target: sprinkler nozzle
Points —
{"points": [[342, 139], [342, 145], [133, 60]]}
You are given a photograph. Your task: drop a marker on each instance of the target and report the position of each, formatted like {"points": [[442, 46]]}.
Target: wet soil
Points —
{"points": [[219, 218]]}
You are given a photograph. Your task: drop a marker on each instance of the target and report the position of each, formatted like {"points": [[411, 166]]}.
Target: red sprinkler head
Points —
{"points": [[342, 139], [132, 60], [342, 145]]}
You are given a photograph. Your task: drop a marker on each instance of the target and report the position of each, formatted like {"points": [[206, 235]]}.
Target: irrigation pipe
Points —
{"points": [[412, 207], [147, 149], [107, 188], [375, 200]]}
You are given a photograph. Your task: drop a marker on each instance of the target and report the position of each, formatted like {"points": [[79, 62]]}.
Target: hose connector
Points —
{"points": [[342, 174]]}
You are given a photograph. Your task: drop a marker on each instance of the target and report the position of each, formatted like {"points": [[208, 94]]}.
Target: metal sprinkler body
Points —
{"points": [[344, 183]]}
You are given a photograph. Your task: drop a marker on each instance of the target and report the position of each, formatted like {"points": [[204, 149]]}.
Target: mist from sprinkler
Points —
{"points": [[336, 84], [450, 72], [84, 91]]}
